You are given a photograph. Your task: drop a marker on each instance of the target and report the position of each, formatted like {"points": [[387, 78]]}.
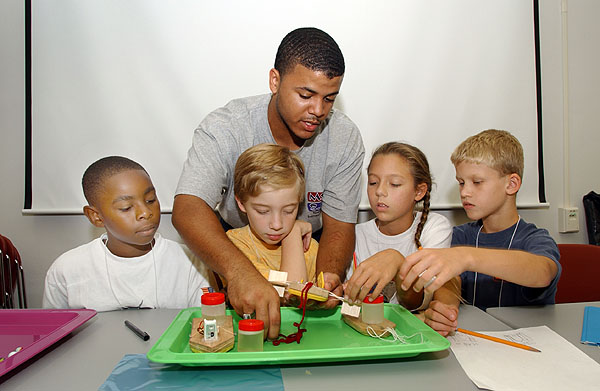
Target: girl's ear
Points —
{"points": [[93, 216], [420, 191], [240, 205], [514, 184]]}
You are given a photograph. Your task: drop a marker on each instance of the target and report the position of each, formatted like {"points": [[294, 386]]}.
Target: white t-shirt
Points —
{"points": [[90, 276], [437, 233]]}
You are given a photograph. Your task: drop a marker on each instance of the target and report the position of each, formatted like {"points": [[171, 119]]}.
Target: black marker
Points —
{"points": [[142, 334]]}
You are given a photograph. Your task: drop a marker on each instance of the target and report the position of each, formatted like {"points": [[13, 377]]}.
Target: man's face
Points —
{"points": [[272, 213], [130, 212], [302, 100]]}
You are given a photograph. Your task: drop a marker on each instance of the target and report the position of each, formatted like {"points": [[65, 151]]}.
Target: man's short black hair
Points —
{"points": [[99, 171], [312, 48]]}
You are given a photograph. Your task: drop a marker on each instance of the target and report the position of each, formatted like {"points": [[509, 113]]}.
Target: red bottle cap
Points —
{"points": [[378, 300], [212, 298], [251, 325]]}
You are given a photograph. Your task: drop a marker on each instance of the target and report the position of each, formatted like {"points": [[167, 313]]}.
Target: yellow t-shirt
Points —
{"points": [[266, 257]]}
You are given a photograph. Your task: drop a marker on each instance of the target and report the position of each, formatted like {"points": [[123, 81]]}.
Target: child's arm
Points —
{"points": [[379, 269], [55, 293], [293, 247], [442, 313], [516, 266], [196, 281]]}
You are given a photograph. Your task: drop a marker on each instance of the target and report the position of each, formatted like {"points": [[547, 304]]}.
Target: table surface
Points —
{"points": [[84, 359], [565, 319]]}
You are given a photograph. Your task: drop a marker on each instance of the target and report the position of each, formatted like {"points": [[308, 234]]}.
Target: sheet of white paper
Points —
{"points": [[495, 366]]}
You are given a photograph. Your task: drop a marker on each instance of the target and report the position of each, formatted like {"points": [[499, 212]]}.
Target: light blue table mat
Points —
{"points": [[135, 372]]}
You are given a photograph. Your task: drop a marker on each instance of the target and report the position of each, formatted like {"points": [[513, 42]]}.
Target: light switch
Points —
{"points": [[568, 220]]}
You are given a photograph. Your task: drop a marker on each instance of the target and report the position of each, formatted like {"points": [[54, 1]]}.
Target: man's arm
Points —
{"points": [[516, 266], [335, 252], [247, 289]]}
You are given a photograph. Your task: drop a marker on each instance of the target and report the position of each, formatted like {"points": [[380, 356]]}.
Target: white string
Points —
{"points": [[105, 247], [403, 339], [502, 282], [336, 296]]}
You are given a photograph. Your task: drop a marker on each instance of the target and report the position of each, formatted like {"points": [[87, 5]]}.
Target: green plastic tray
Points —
{"points": [[328, 338]]}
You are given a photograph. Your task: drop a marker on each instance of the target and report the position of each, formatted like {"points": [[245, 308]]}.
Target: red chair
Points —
{"points": [[580, 271], [12, 279]]}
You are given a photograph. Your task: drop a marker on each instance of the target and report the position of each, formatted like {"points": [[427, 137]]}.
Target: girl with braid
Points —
{"points": [[399, 189]]}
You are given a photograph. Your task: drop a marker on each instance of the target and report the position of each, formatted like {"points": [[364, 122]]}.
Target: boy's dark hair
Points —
{"points": [[312, 48], [100, 170]]}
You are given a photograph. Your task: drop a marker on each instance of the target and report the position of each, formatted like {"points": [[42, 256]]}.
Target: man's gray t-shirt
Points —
{"points": [[333, 160]]}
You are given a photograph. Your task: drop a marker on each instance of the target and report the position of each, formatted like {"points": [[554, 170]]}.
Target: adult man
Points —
{"points": [[304, 83]]}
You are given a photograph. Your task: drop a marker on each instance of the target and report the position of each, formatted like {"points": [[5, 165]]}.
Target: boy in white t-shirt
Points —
{"points": [[131, 265]]}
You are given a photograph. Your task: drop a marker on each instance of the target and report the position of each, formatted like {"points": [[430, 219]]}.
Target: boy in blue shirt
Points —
{"points": [[502, 260]]}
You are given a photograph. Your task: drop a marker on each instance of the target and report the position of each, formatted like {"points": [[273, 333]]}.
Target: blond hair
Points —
{"points": [[497, 149], [419, 170], [267, 165]]}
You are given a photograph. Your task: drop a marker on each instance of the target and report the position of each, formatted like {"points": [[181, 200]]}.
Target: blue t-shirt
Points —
{"points": [[493, 292]]}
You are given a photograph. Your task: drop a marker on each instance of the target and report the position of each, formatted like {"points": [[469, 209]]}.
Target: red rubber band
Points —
{"points": [[297, 336]]}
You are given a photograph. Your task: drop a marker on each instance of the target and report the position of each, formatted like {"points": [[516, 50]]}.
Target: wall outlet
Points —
{"points": [[568, 220]]}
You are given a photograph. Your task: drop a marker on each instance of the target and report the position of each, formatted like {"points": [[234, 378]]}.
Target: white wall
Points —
{"points": [[40, 239], [584, 101]]}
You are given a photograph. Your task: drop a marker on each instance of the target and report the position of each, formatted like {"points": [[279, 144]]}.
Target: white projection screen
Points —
{"points": [[134, 78]]}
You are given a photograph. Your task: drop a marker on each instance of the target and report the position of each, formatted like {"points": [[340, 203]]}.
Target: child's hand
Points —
{"points": [[441, 317], [432, 268], [333, 284], [305, 229], [379, 269]]}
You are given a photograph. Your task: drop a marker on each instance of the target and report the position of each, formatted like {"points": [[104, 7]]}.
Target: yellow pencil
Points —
{"points": [[500, 340]]}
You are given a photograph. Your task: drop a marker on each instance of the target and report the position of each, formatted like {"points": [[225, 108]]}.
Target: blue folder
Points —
{"points": [[590, 331]]}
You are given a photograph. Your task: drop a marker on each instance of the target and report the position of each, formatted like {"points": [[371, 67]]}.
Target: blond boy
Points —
{"points": [[502, 260], [268, 186]]}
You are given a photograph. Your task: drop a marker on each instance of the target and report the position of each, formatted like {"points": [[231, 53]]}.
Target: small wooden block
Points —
{"points": [[224, 343], [360, 326]]}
